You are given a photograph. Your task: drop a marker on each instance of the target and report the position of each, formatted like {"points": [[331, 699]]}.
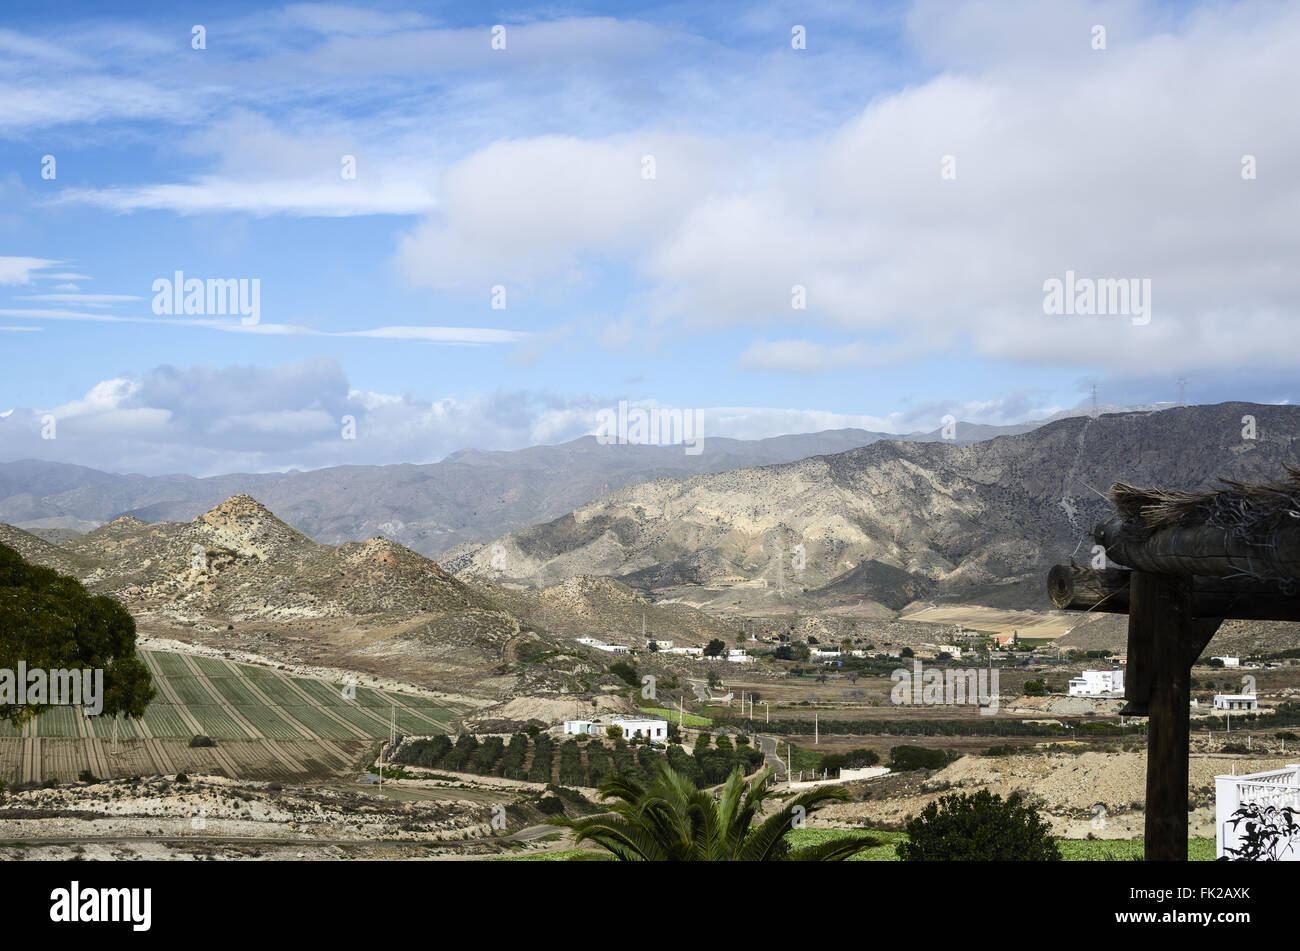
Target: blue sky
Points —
{"points": [[524, 168]]}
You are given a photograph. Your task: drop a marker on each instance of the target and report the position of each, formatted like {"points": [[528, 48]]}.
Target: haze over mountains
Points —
{"points": [[892, 521], [471, 496]]}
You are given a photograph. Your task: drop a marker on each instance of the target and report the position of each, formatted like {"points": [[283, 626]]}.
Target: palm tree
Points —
{"points": [[670, 820]]}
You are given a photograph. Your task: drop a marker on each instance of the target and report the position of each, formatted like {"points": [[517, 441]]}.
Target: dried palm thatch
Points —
{"points": [[1250, 511], [1238, 529]]}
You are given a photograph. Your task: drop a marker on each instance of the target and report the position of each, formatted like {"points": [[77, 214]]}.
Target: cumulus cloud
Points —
{"points": [[1066, 159], [211, 420]]}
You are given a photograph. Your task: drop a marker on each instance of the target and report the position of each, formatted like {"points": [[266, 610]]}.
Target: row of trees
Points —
{"points": [[582, 761]]}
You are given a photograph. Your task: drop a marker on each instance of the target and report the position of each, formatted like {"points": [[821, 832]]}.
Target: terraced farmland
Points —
{"points": [[267, 724]]}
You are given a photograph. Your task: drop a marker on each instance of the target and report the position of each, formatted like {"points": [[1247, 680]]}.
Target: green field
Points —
{"points": [[688, 719], [225, 701]]}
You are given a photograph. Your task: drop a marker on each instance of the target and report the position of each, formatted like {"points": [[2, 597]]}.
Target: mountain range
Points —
{"points": [[892, 521], [469, 497]]}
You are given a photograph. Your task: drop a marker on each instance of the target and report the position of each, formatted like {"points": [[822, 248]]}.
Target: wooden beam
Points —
{"points": [[1202, 551], [1088, 589]]}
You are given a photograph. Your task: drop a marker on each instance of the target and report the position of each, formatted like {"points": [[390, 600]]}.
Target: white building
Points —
{"points": [[1235, 701], [663, 645], [1097, 683], [950, 649], [602, 646], [654, 727], [818, 654], [1229, 661], [737, 656], [1278, 787], [688, 651]]}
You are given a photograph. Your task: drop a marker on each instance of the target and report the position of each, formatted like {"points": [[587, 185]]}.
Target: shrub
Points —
{"points": [[625, 672], [1268, 830], [86, 776], [907, 758], [550, 805], [853, 759], [201, 740], [979, 827]]}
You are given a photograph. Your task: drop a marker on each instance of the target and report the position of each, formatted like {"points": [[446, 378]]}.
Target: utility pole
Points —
{"points": [[816, 732]]}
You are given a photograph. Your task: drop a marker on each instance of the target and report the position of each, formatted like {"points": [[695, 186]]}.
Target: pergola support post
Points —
{"points": [[1168, 639]]}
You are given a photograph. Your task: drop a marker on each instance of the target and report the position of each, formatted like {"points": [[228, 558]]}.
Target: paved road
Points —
{"points": [[771, 754]]}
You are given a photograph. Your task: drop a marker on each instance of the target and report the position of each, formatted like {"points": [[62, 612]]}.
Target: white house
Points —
{"points": [[663, 645], [738, 656], [602, 646], [1235, 701], [1278, 787], [654, 727], [1229, 661], [688, 651], [1097, 683]]}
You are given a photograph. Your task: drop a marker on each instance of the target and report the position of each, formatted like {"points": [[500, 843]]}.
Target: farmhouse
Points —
{"points": [[1096, 683], [602, 646], [1235, 701], [656, 728], [1229, 661]]}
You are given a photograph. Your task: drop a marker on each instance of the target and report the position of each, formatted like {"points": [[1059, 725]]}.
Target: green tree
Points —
{"points": [[48, 621], [626, 672], [978, 827], [669, 820], [715, 648]]}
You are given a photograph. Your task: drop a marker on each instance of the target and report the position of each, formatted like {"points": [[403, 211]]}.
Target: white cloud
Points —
{"points": [[19, 270]]}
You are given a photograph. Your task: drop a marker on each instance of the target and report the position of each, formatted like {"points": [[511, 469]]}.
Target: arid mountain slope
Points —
{"points": [[240, 578], [963, 518]]}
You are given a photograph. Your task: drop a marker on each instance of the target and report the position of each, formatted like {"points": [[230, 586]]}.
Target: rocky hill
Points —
{"points": [[983, 520], [238, 577]]}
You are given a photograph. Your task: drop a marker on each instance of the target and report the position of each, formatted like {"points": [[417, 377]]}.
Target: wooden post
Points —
{"points": [[1162, 605]]}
